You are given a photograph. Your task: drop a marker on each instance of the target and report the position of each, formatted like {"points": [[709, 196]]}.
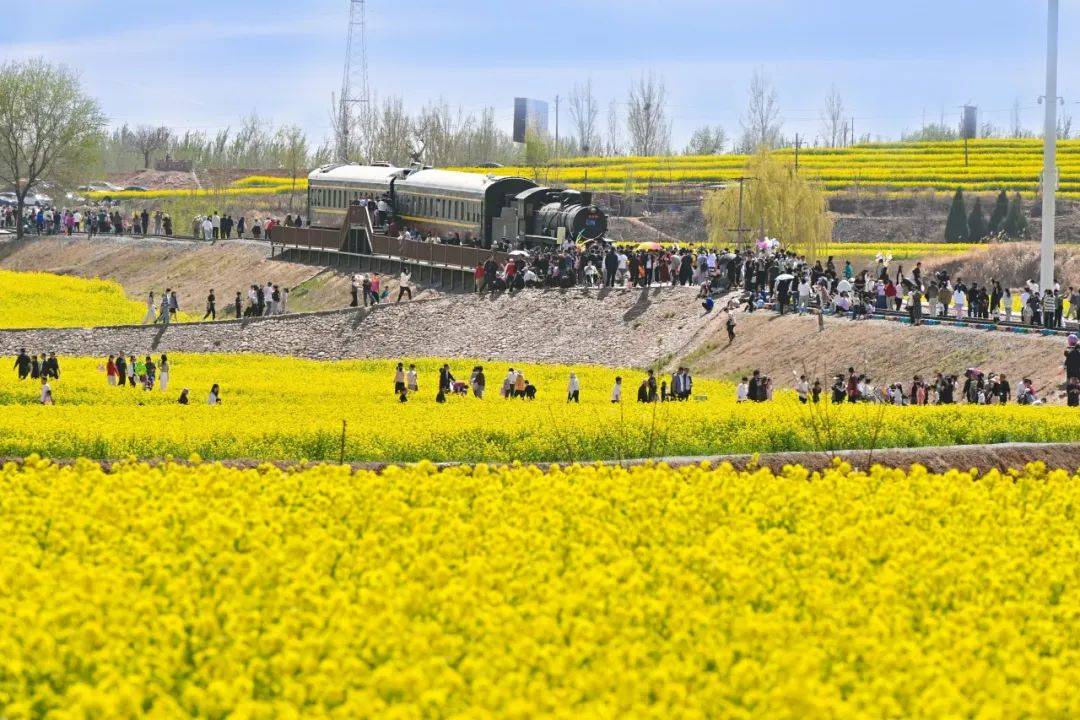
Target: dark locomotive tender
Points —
{"points": [[480, 209]]}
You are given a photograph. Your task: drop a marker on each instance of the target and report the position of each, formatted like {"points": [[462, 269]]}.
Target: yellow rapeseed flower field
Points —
{"points": [[483, 592], [277, 408], [31, 299], [41, 300], [991, 165]]}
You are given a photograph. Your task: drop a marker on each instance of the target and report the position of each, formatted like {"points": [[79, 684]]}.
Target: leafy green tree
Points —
{"points": [[49, 128], [997, 216], [956, 226], [1016, 225], [977, 230]]}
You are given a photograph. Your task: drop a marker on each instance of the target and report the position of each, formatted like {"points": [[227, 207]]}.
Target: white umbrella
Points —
{"points": [[519, 253], [785, 276]]}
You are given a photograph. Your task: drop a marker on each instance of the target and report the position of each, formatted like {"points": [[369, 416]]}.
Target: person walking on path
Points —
{"points": [[148, 319], [211, 306], [238, 305], [110, 371], [163, 317], [405, 284]]}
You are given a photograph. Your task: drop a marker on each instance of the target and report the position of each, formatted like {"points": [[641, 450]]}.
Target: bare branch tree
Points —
{"points": [[584, 113], [761, 123], [646, 116], [48, 126], [833, 119], [295, 144], [614, 126], [147, 138]]}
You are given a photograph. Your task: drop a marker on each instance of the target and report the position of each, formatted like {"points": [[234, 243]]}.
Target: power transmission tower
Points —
{"points": [[354, 82]]}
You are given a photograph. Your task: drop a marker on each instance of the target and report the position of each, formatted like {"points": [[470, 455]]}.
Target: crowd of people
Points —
{"points": [[600, 264], [106, 219], [788, 282], [38, 367], [973, 386], [120, 370]]}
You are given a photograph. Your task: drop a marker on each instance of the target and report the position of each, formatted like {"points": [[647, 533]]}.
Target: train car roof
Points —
{"points": [[450, 180], [356, 173]]}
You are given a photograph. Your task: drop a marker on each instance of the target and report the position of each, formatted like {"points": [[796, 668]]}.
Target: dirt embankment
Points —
{"points": [[1012, 264], [887, 351], [878, 217], [191, 268]]}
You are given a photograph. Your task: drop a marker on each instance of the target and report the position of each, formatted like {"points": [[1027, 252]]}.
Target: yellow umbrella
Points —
{"points": [[650, 246]]}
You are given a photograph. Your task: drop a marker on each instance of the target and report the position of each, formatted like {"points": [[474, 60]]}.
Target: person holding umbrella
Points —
{"points": [[782, 288]]}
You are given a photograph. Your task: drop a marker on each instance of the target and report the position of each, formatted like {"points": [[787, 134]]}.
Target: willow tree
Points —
{"points": [[776, 202]]}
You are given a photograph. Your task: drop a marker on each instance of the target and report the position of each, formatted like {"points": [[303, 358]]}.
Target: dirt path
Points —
{"points": [[190, 267], [983, 458], [887, 351]]}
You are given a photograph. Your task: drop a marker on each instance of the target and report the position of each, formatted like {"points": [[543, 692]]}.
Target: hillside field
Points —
{"points": [[992, 165]]}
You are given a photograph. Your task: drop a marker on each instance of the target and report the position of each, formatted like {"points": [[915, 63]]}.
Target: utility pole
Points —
{"points": [[741, 229], [354, 81], [853, 131], [796, 153], [1049, 179], [556, 139]]}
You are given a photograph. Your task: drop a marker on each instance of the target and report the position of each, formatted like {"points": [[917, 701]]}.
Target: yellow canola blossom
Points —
{"points": [[987, 166], [39, 300], [32, 299], [511, 592], [277, 408]]}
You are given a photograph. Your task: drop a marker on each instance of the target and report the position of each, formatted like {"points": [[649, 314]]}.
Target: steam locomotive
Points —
{"points": [[482, 210]]}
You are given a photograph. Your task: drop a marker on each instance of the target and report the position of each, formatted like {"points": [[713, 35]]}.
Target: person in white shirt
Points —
{"points": [[592, 275], [616, 392], [215, 223], [844, 286], [268, 299], [742, 391], [46, 392], [624, 267], [404, 284], [804, 294], [208, 229], [802, 389], [215, 396], [958, 303], [573, 389]]}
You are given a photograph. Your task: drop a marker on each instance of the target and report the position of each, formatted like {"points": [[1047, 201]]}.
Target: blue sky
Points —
{"points": [[203, 65]]}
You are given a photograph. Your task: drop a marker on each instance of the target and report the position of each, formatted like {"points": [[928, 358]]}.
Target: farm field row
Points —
{"points": [[992, 165], [202, 591], [288, 409]]}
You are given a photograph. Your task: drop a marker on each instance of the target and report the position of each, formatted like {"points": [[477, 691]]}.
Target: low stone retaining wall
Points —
{"points": [[614, 327]]}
